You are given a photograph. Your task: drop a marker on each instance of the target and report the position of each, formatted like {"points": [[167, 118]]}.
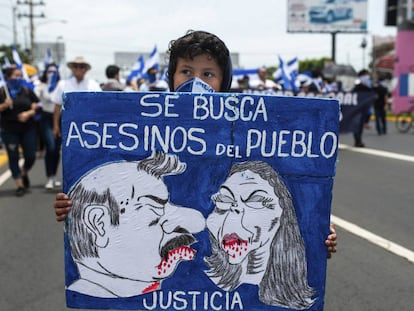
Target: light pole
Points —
{"points": [[363, 46], [58, 54]]}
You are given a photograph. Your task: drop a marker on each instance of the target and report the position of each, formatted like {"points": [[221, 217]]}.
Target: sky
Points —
{"points": [[257, 30]]}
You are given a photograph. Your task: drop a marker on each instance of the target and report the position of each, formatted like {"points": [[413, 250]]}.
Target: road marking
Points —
{"points": [[7, 174], [3, 158], [373, 238], [380, 153]]}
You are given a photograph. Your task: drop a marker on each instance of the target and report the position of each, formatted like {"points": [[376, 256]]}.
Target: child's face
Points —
{"points": [[203, 67]]}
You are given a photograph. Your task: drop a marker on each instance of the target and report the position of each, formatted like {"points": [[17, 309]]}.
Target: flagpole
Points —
{"points": [[6, 90]]}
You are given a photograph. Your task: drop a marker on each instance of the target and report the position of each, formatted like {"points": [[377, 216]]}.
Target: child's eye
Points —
{"points": [[186, 72], [209, 74]]}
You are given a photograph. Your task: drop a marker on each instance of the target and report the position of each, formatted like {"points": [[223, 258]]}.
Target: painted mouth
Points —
{"points": [[174, 256], [234, 246], [176, 250]]}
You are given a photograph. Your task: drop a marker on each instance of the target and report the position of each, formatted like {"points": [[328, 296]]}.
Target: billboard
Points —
{"points": [[327, 16]]}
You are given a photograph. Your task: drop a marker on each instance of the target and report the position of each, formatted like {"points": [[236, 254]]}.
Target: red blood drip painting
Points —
{"points": [[167, 265], [234, 246]]}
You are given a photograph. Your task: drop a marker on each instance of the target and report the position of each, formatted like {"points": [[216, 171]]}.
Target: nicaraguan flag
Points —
{"points": [[240, 73], [137, 70], [2, 80], [17, 60], [153, 60], [6, 62], [287, 73], [3, 83], [407, 84], [164, 74]]}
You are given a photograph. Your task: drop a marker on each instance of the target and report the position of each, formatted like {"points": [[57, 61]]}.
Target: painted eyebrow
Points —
{"points": [[252, 194], [229, 190], [154, 198], [132, 192]]}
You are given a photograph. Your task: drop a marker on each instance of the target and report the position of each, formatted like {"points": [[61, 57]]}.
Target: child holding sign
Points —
{"points": [[200, 57]]}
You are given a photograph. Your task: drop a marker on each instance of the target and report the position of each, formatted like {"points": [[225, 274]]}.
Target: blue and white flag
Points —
{"points": [[153, 60], [407, 84], [241, 73], [3, 83], [287, 73], [6, 62], [17, 60], [2, 80], [137, 70], [163, 76], [48, 58]]}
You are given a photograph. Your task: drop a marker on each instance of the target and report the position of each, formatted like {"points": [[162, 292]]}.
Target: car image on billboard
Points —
{"points": [[331, 10]]}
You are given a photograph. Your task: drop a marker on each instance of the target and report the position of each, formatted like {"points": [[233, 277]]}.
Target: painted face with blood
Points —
{"points": [[246, 215], [153, 235], [134, 237]]}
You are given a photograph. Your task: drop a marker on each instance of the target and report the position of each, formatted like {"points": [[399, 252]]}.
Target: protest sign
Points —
{"points": [[353, 105], [187, 201]]}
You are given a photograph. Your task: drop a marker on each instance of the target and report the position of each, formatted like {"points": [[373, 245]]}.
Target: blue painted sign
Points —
{"points": [[185, 201]]}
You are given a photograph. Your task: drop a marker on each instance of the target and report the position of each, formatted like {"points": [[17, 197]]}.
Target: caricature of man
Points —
{"points": [[255, 237], [125, 235]]}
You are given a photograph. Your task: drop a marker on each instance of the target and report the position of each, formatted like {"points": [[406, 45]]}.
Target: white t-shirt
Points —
{"points": [[72, 84], [42, 92]]}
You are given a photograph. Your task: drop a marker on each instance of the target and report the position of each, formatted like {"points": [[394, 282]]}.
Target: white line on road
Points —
{"points": [[380, 153], [7, 174], [373, 238]]}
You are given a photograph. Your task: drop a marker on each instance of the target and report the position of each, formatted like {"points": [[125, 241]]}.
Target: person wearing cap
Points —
{"points": [[77, 82]]}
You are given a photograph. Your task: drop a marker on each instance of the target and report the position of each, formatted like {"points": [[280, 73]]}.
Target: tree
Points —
{"points": [[6, 51], [313, 64]]}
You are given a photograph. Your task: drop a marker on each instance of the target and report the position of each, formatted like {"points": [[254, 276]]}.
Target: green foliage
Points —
{"points": [[312, 64], [6, 51]]}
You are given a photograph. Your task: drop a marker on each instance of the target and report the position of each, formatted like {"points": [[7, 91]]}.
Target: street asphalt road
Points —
{"points": [[373, 191]]}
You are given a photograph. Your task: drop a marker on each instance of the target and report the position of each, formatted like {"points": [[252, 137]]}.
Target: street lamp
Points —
{"points": [[58, 54], [363, 46], [49, 21]]}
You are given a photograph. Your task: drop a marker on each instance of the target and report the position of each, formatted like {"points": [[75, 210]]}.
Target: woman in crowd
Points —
{"points": [[44, 90], [18, 105]]}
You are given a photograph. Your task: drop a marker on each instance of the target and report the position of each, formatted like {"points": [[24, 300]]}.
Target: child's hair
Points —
{"points": [[196, 43]]}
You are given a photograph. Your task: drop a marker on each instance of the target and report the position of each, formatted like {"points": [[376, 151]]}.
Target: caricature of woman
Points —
{"points": [[255, 237]]}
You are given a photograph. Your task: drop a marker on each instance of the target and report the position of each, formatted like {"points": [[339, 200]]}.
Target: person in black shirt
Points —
{"points": [[18, 106], [380, 105]]}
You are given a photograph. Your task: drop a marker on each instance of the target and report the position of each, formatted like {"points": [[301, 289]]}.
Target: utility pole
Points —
{"points": [[14, 26], [31, 16]]}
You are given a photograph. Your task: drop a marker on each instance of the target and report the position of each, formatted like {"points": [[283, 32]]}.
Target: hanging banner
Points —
{"points": [[185, 201]]}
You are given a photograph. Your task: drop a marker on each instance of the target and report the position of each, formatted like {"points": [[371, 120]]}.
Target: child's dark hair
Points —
{"points": [[196, 43]]}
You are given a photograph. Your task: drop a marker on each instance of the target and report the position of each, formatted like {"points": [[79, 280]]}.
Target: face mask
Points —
{"points": [[16, 83], [52, 80], [195, 85], [15, 86], [366, 80], [152, 77], [50, 76]]}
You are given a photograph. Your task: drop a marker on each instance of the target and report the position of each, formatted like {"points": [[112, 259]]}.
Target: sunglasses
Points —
{"points": [[81, 66]]}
